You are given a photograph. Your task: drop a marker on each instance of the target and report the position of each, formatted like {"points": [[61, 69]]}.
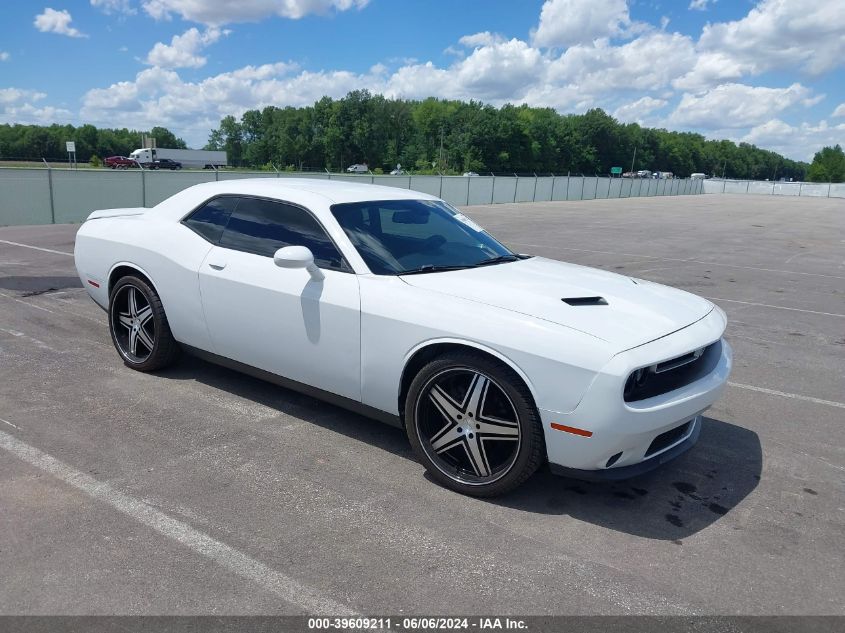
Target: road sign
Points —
{"points": [[71, 146], [615, 170]]}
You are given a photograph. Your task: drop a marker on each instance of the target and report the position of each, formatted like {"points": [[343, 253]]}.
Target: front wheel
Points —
{"points": [[473, 424], [138, 325]]}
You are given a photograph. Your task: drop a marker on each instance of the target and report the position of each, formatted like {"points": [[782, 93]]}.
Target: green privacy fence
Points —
{"points": [[45, 196]]}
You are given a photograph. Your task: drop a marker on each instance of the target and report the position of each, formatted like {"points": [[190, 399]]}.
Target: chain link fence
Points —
{"points": [[45, 196]]}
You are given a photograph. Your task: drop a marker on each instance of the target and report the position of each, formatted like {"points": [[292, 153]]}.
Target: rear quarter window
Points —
{"points": [[212, 217]]}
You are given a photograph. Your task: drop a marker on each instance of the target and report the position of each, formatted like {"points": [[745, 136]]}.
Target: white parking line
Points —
{"points": [[784, 394], [36, 248], [224, 555], [768, 305]]}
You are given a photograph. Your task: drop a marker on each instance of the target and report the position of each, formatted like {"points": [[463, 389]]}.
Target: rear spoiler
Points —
{"points": [[116, 213]]}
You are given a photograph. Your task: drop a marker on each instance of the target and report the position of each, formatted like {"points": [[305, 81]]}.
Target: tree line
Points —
{"points": [[34, 142], [430, 136], [438, 135]]}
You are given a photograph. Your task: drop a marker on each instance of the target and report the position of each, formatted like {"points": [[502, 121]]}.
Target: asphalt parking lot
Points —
{"points": [[200, 490]]}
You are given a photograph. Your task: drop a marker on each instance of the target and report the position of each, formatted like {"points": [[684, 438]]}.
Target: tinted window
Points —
{"points": [[210, 219], [401, 236], [263, 226]]}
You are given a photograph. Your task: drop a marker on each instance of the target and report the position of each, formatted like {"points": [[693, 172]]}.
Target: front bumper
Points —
{"points": [[619, 436], [639, 468]]}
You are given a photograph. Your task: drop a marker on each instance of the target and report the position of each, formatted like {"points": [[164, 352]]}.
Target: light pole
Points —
{"points": [[441, 149]]}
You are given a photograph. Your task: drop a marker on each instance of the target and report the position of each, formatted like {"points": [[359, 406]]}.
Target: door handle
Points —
{"points": [[217, 265]]}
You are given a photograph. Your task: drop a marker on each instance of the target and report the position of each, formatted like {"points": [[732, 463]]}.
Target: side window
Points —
{"points": [[264, 226], [211, 218]]}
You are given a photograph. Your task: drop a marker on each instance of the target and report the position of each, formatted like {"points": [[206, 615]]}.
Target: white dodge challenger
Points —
{"points": [[394, 304]]}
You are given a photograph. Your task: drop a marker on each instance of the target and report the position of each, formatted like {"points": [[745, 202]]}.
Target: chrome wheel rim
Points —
{"points": [[468, 426], [133, 324]]}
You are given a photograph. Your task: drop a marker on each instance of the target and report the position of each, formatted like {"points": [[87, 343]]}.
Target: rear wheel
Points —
{"points": [[138, 325], [473, 424]]}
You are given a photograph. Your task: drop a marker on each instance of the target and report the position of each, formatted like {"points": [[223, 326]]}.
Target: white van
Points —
{"points": [[358, 168]]}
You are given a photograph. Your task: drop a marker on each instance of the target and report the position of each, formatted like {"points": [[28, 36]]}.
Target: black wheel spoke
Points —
{"points": [[133, 324], [468, 426]]}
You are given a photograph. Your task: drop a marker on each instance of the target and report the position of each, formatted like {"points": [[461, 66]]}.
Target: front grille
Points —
{"points": [[655, 380], [664, 440]]}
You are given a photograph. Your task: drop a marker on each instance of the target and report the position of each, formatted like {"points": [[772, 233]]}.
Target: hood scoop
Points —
{"points": [[585, 301]]}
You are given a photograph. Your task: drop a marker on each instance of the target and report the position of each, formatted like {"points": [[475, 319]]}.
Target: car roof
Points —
{"points": [[303, 190]]}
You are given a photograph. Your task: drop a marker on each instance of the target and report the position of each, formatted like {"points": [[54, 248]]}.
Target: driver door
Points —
{"points": [[282, 320]]}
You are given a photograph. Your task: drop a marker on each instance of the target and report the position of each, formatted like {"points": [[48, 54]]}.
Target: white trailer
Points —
{"points": [[205, 159]]}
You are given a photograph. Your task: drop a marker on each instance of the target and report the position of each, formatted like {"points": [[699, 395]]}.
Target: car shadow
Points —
{"points": [[289, 402], [29, 286], [671, 503]]}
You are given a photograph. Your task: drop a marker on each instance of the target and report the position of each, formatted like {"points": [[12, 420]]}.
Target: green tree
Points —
{"points": [[828, 165], [166, 138], [435, 135]]}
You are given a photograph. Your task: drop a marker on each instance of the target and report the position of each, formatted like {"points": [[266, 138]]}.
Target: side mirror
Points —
{"points": [[298, 257]]}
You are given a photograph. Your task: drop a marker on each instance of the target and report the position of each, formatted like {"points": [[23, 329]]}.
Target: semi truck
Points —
{"points": [[196, 158]]}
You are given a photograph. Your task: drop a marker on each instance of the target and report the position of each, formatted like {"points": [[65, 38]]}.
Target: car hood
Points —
{"points": [[636, 311]]}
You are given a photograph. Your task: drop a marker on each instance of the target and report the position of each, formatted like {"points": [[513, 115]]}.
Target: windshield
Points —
{"points": [[396, 237]]}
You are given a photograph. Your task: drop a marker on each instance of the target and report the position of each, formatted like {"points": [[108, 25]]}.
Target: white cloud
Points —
{"points": [[27, 113], [183, 50], [485, 38], [636, 111], [158, 96], [4, 56], [839, 111], [114, 6], [217, 12], [779, 34], [799, 141], [16, 95], [732, 106], [567, 22], [52, 21], [711, 69], [602, 68], [17, 106], [499, 70], [699, 5]]}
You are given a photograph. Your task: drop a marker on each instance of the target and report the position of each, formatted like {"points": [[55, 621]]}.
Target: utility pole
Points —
{"points": [[724, 168], [634, 159], [441, 149]]}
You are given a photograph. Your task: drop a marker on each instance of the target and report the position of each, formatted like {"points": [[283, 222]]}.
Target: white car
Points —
{"points": [[358, 168], [393, 303]]}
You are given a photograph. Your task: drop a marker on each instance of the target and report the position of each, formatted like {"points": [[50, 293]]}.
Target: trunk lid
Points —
{"points": [[117, 213]]}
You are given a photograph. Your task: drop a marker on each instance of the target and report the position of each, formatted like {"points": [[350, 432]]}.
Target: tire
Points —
{"points": [[459, 391], [138, 325]]}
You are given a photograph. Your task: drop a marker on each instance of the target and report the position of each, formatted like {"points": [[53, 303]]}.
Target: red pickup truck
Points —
{"points": [[119, 162]]}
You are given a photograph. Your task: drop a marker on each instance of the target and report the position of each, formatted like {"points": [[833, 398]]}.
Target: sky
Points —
{"points": [[770, 72]]}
